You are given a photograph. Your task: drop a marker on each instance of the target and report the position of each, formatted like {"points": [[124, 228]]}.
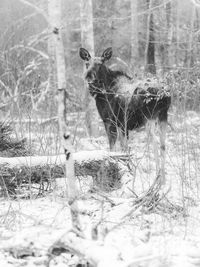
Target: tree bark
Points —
{"points": [[150, 43], [177, 31], [87, 41], [189, 59], [134, 32], [169, 35], [69, 183], [51, 66]]}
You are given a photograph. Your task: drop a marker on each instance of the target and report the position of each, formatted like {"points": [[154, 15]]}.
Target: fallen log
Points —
{"points": [[100, 253], [103, 254], [96, 253], [103, 167]]}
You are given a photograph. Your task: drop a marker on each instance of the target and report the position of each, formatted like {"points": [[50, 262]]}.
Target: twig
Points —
{"points": [[39, 10]]}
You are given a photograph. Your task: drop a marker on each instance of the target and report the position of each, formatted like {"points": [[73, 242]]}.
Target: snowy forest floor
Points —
{"points": [[145, 237]]}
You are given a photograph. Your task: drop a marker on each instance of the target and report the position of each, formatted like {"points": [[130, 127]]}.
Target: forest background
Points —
{"points": [[157, 36]]}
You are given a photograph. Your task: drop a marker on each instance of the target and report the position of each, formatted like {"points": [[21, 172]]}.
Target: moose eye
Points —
{"points": [[87, 65], [89, 75]]}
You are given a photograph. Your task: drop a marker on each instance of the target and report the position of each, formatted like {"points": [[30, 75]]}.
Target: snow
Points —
{"points": [[143, 238], [59, 159]]}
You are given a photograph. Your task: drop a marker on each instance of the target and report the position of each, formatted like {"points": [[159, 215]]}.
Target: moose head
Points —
{"points": [[96, 73]]}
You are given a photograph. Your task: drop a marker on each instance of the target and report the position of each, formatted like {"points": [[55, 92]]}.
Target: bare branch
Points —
{"points": [[6, 87], [39, 10], [41, 53], [196, 2]]}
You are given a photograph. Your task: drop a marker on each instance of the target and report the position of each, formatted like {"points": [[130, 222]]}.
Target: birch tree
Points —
{"points": [[51, 63], [177, 30], [169, 36], [150, 42], [87, 41], [69, 181], [134, 32], [189, 60]]}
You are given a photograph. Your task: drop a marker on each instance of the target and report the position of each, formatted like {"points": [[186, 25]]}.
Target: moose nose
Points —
{"points": [[90, 77]]}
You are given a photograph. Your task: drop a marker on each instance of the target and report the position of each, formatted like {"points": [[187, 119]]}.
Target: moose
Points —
{"points": [[126, 105]]}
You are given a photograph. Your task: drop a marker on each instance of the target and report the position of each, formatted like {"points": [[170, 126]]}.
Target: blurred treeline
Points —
{"points": [[172, 28]]}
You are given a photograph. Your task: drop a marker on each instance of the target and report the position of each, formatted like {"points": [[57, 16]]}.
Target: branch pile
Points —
{"points": [[10, 146]]}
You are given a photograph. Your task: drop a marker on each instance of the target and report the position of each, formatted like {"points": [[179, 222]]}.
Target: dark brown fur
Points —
{"points": [[120, 101]]}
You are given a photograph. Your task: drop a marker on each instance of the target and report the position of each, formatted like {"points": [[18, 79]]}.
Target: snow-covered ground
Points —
{"points": [[169, 237]]}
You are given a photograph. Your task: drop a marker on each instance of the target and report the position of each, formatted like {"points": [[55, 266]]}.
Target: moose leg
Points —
{"points": [[162, 126], [111, 130], [153, 138], [123, 138]]}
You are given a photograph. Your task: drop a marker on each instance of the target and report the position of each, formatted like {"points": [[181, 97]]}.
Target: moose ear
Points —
{"points": [[84, 54], [107, 54]]}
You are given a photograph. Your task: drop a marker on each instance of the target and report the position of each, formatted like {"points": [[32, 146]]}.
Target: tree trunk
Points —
{"points": [[177, 31], [69, 184], [189, 59], [134, 32], [169, 35], [150, 43], [51, 67], [87, 41]]}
